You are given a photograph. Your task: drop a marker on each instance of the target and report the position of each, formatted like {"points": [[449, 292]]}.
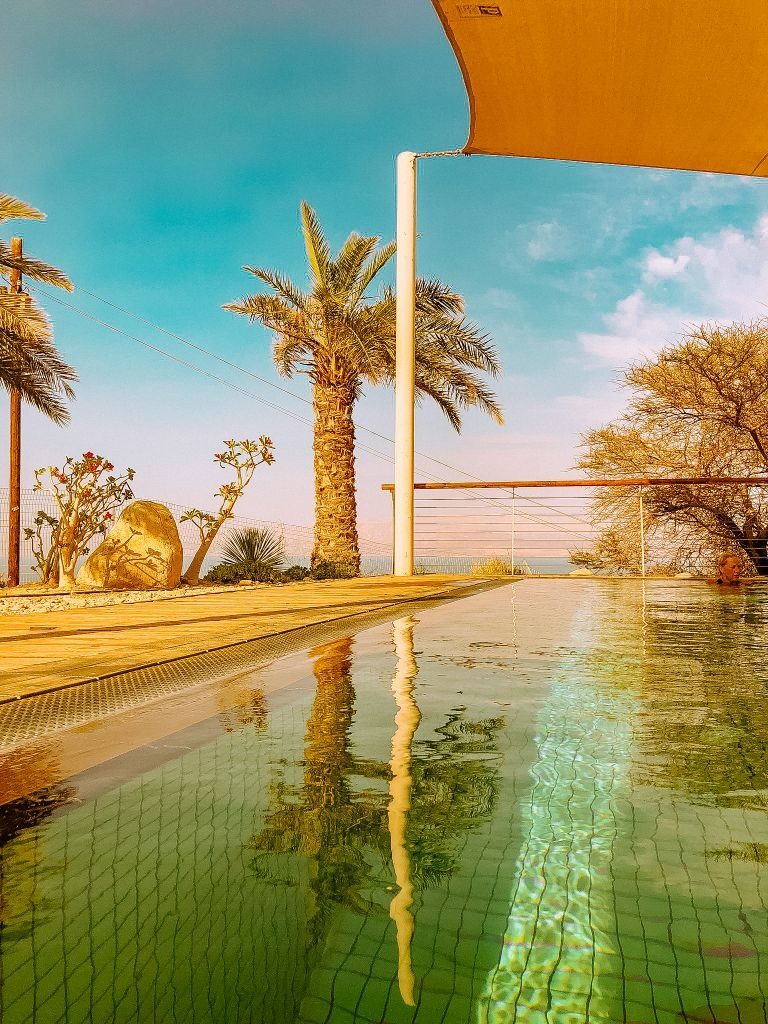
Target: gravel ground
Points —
{"points": [[35, 601]]}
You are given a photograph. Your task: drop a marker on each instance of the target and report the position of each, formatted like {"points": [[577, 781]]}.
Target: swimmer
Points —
{"points": [[729, 569]]}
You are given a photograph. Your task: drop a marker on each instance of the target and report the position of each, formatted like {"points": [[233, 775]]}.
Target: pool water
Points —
{"points": [[542, 804]]}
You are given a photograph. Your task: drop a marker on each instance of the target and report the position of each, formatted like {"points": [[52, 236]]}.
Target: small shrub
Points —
{"points": [[233, 572], [332, 571], [294, 573], [492, 567]]}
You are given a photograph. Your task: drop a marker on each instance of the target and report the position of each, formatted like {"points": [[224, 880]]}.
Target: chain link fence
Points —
{"points": [[297, 538]]}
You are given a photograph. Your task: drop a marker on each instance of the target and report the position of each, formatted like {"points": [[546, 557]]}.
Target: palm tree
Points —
{"points": [[342, 338], [29, 361]]}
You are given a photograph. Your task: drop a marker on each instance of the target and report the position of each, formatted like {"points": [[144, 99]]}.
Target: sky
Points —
{"points": [[170, 142]]}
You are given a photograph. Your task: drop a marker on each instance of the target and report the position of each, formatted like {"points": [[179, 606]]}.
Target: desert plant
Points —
{"points": [[256, 544], [323, 570], [492, 567], [87, 494], [234, 572], [256, 572], [243, 457], [294, 573]]}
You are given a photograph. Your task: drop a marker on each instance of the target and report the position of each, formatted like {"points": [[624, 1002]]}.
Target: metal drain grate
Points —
{"points": [[34, 717]]}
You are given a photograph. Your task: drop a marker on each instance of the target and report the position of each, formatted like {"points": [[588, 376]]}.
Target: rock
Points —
{"points": [[142, 551], [581, 572]]}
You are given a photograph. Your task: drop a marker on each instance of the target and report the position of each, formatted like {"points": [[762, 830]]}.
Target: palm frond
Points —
{"points": [[439, 395], [21, 317], [349, 262], [16, 209], [33, 269], [282, 285], [316, 245], [433, 296], [39, 373], [462, 340], [291, 354], [374, 265], [270, 310], [45, 400], [39, 359], [359, 347], [465, 388]]}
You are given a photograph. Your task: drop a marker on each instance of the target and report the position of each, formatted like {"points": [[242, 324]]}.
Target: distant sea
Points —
{"points": [[377, 565]]}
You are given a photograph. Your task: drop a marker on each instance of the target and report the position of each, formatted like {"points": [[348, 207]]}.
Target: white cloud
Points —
{"points": [[710, 191], [549, 241], [721, 277], [658, 266], [636, 327], [501, 298]]}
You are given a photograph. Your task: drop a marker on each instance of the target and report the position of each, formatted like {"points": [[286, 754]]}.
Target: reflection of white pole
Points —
{"points": [[406, 723], [405, 376], [642, 534]]}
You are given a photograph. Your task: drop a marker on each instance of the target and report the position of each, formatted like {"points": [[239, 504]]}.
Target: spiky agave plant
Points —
{"points": [[257, 545]]}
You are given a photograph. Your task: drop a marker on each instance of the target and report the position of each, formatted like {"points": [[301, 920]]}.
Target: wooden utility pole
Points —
{"points": [[14, 483]]}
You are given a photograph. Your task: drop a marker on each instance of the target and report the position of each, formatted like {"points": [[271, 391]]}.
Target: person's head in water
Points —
{"points": [[729, 568]]}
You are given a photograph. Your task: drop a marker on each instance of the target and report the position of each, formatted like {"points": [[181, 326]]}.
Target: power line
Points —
{"points": [[241, 369], [198, 369], [226, 362]]}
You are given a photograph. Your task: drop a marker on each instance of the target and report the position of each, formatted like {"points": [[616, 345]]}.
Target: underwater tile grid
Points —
{"points": [[543, 804]]}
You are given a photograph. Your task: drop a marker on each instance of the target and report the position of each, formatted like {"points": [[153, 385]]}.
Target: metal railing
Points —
{"points": [[604, 526]]}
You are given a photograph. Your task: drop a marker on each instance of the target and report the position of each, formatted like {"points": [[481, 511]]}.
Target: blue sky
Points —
{"points": [[171, 142]]}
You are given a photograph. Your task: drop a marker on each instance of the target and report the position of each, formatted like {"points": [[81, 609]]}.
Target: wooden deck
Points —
{"points": [[48, 650]]}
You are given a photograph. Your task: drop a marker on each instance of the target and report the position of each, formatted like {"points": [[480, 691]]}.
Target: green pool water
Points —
{"points": [[543, 804]]}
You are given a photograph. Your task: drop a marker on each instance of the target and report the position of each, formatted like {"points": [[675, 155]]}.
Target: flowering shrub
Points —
{"points": [[243, 457], [87, 493]]}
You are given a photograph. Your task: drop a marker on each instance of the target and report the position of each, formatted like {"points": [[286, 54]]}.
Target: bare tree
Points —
{"points": [[698, 408]]}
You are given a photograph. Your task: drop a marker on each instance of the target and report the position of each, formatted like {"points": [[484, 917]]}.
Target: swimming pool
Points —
{"points": [[543, 803]]}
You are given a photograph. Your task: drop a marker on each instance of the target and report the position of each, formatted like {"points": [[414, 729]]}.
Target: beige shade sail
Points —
{"points": [[656, 83]]}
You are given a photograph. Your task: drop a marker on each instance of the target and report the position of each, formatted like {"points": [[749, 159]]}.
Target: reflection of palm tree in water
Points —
{"points": [[341, 829], [327, 761], [325, 820], [406, 722]]}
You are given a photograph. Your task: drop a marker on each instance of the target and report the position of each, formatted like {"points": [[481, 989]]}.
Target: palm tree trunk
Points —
{"points": [[334, 458]]}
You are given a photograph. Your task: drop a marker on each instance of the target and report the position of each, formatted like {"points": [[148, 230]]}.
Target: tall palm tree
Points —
{"points": [[343, 338], [29, 360]]}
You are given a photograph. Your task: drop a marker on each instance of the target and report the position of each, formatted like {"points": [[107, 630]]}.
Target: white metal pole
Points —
{"points": [[405, 354], [642, 534], [512, 554]]}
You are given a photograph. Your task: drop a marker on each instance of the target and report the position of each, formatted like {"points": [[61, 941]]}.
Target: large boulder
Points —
{"points": [[142, 551]]}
